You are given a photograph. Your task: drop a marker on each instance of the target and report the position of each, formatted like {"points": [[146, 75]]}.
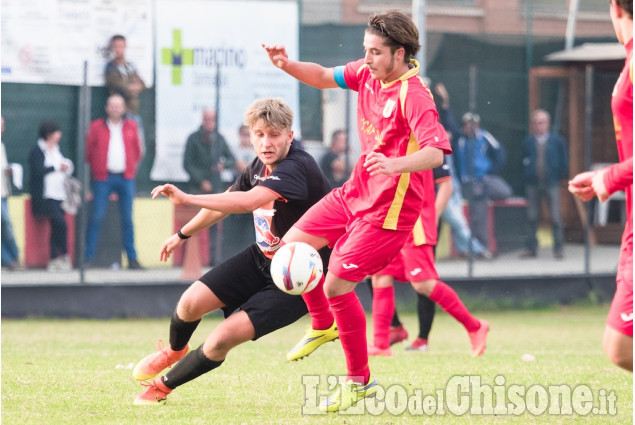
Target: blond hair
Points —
{"points": [[273, 111]]}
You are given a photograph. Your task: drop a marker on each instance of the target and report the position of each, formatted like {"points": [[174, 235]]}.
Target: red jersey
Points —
{"points": [[397, 118], [620, 176]]}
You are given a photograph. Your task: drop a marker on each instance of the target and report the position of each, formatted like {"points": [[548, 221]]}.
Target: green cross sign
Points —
{"points": [[177, 56]]}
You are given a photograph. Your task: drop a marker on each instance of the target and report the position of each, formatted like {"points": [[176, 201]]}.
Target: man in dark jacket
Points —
{"points": [[545, 164], [207, 156], [479, 159], [210, 164]]}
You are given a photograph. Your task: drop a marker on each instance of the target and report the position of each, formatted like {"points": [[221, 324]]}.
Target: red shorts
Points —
{"points": [[412, 264], [620, 316], [360, 248]]}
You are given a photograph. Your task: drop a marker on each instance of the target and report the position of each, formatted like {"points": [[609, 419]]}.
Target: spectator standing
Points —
{"points": [[10, 253], [334, 163], [122, 77], [48, 170], [113, 152], [545, 164], [479, 159], [207, 156]]}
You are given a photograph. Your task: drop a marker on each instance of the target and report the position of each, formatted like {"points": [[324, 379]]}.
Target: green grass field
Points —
{"points": [[78, 372]]}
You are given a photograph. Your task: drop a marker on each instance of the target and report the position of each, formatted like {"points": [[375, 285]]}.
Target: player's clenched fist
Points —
{"points": [[581, 186]]}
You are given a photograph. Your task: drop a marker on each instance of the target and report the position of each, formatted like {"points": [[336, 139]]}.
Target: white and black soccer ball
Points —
{"points": [[296, 268]]}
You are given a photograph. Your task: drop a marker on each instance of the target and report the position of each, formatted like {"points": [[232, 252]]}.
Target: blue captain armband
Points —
{"points": [[338, 74]]}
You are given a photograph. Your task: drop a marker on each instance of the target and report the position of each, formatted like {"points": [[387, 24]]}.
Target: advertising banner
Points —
{"points": [[209, 56]]}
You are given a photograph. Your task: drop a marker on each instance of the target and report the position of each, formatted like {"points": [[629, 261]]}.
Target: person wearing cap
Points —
{"points": [[479, 160]]}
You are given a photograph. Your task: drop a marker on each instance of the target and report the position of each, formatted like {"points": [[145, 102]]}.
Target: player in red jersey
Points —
{"points": [[370, 217], [415, 264], [618, 335]]}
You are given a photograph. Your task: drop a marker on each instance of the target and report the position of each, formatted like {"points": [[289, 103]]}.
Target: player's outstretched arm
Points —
{"points": [[202, 220], [173, 193], [309, 73]]}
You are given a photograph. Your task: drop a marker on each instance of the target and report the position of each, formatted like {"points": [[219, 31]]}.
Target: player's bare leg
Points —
{"points": [[230, 333], [619, 348]]}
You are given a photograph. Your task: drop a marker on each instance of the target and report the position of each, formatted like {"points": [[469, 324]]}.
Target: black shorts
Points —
{"points": [[244, 282]]}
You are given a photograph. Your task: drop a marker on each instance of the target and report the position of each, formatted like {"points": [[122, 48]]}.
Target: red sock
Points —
{"points": [[449, 300], [318, 305], [383, 310], [351, 323]]}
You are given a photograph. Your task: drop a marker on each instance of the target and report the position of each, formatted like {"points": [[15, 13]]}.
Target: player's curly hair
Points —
{"points": [[272, 110], [626, 5], [398, 30]]}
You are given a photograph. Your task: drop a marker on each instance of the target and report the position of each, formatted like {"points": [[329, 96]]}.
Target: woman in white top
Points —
{"points": [[48, 170]]}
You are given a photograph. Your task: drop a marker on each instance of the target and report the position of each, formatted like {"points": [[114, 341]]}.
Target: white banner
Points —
{"points": [[194, 41], [47, 41]]}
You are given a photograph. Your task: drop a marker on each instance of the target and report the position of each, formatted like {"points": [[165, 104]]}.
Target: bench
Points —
{"points": [[506, 224], [37, 247]]}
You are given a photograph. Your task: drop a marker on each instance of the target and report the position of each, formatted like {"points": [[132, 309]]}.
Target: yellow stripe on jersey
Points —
{"points": [[630, 69], [403, 90], [418, 234], [392, 217]]}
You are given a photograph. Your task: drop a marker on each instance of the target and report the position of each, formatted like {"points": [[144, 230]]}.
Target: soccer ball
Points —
{"points": [[296, 268]]}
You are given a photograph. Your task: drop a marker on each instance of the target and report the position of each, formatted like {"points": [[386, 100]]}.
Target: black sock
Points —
{"points": [[425, 313], [395, 319], [369, 283], [181, 332], [190, 367]]}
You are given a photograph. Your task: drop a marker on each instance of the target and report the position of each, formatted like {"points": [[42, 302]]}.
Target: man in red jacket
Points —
{"points": [[113, 152]]}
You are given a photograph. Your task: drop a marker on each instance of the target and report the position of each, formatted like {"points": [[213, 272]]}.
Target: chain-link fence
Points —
{"points": [[485, 73]]}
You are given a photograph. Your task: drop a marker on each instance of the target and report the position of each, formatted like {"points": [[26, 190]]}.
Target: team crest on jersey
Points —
{"points": [[265, 239], [388, 108]]}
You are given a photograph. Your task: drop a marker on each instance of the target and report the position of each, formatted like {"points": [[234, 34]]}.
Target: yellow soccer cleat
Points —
{"points": [[348, 395], [311, 341]]}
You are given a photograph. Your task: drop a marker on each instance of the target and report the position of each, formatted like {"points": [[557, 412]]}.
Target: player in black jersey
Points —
{"points": [[279, 185]]}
